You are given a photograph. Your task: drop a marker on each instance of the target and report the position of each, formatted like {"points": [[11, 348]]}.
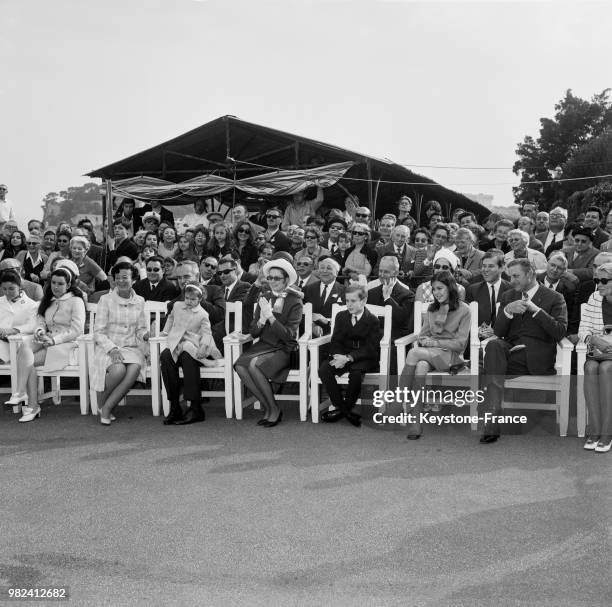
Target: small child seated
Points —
{"points": [[188, 329]]}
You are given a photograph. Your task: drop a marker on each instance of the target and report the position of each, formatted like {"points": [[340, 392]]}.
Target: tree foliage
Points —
{"points": [[576, 123], [75, 200]]}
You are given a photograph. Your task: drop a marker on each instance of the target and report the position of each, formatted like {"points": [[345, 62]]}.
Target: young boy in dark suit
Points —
{"points": [[354, 347]]}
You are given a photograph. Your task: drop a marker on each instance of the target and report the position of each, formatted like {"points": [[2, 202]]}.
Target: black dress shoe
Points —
{"points": [[175, 415], [354, 419], [271, 424], [485, 439], [331, 417], [191, 417], [262, 422]]}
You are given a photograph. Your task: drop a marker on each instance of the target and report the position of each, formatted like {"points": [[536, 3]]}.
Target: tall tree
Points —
{"points": [[576, 122]]}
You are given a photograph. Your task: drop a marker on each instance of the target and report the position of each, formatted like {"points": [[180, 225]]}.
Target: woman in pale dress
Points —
{"points": [[61, 320], [120, 333]]}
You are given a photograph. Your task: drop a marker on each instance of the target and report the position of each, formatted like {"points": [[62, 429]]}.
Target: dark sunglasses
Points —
{"points": [[63, 241], [603, 281], [31, 244], [362, 214], [437, 266], [358, 233], [226, 272], [243, 231], [302, 263], [272, 216], [275, 278], [310, 237], [210, 265], [154, 269], [336, 227]]}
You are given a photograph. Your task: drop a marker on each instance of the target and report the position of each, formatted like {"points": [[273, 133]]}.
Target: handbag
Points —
{"points": [[597, 354]]}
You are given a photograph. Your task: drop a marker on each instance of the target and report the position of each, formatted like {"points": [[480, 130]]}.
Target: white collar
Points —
{"points": [[230, 287], [533, 291]]}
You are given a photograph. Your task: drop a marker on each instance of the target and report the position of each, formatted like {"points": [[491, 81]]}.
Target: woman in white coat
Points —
{"points": [[17, 311], [61, 320]]}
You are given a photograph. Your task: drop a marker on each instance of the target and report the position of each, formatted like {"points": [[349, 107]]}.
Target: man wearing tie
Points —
{"points": [[354, 348], [488, 292], [530, 321], [558, 279], [323, 294], [329, 240], [304, 267], [233, 290], [399, 248], [155, 287]]}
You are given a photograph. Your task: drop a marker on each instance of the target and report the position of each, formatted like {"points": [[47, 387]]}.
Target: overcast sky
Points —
{"points": [[87, 82]]}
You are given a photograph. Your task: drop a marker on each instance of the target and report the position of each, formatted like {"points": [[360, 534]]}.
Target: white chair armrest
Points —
{"points": [[407, 339], [317, 342]]}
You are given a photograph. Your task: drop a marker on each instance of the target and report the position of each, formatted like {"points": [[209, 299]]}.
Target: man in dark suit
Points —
{"points": [[123, 246], [232, 289], [304, 267], [273, 234], [323, 294], [399, 248], [392, 292], [165, 215], [155, 287], [556, 278], [489, 291], [354, 348], [530, 321], [581, 261], [554, 238], [593, 216]]}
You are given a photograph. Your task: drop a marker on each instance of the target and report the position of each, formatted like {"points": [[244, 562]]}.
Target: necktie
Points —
{"points": [[227, 291], [333, 248], [525, 296], [463, 262], [353, 320], [301, 285], [548, 284], [493, 315], [324, 294]]}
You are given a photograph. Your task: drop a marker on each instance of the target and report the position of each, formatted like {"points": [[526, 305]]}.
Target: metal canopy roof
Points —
{"points": [[229, 146]]}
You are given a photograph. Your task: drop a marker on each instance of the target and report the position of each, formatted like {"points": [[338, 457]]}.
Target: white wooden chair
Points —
{"points": [[224, 372], [56, 392], [559, 384], [378, 378], [299, 375], [153, 313], [9, 370], [468, 375]]}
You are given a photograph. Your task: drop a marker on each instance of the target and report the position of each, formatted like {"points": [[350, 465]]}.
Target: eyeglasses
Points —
{"points": [[63, 241], [581, 240], [226, 272], [603, 281], [31, 244], [310, 237], [210, 265], [420, 240], [358, 233], [335, 227], [362, 214], [437, 266], [154, 269], [272, 216], [243, 231], [302, 263], [275, 278]]}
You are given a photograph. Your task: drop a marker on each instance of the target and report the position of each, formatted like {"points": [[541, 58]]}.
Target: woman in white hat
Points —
{"points": [[276, 322], [61, 320], [444, 259]]}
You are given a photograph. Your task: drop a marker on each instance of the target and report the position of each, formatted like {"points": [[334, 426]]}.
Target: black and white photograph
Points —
{"points": [[306, 302]]}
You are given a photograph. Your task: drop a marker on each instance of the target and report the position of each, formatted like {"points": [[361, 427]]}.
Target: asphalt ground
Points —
{"points": [[228, 513]]}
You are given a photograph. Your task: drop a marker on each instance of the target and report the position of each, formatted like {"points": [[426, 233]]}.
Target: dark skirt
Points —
{"points": [[275, 368]]}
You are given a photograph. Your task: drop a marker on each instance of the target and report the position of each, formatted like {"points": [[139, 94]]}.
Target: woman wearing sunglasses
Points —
{"points": [[276, 321], [244, 243], [443, 260], [441, 343], [312, 248], [361, 257], [593, 330], [32, 260]]}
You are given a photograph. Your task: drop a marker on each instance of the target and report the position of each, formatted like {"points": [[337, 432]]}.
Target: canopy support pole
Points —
{"points": [[370, 188]]}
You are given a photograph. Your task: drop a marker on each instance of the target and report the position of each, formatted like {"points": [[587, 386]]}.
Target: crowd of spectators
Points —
{"points": [[529, 277]]}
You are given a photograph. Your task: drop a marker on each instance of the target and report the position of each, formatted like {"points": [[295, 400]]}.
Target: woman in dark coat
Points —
{"points": [[276, 322]]}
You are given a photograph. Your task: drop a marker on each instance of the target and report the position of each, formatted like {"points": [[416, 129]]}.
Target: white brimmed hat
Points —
{"points": [[284, 265]]}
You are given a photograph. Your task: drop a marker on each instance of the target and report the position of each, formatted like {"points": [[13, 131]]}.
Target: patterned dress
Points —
{"points": [[120, 323]]}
